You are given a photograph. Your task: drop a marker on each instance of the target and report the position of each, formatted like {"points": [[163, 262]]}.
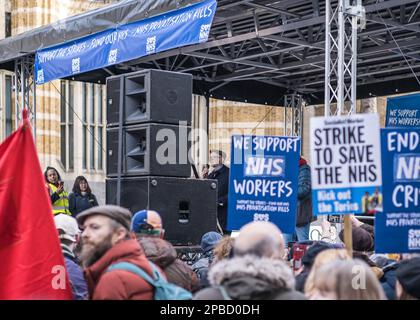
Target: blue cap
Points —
{"points": [[210, 240], [146, 219]]}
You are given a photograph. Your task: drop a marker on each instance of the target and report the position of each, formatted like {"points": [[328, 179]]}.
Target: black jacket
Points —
{"points": [[222, 177], [79, 203], [304, 208]]}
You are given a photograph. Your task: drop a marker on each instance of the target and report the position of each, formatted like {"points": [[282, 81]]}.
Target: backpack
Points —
{"points": [[163, 289]]}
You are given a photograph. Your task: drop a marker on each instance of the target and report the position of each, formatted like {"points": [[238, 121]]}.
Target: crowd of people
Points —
{"points": [[111, 253], [251, 266]]}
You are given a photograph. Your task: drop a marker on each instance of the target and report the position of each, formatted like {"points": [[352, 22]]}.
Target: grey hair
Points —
{"points": [[115, 225], [264, 247]]}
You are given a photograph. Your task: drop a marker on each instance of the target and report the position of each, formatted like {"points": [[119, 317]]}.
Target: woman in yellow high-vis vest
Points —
{"points": [[59, 197]]}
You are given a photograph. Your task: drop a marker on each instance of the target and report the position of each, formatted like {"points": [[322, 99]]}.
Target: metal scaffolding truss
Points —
{"points": [[341, 54], [282, 44], [261, 50], [25, 89], [293, 114]]}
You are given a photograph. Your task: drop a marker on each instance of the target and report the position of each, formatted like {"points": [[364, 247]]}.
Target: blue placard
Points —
{"points": [[263, 181], [397, 228], [189, 25], [403, 111]]}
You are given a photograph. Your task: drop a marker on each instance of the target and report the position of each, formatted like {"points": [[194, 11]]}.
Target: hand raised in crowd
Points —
{"points": [[60, 188], [355, 222], [205, 173]]}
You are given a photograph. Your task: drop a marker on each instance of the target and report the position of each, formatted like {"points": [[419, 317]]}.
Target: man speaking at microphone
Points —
{"points": [[220, 172]]}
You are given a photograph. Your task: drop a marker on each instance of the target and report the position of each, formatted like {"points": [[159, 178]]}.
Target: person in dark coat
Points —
{"points": [[147, 225], [304, 215], [201, 267], [163, 254], [107, 240], [408, 280], [82, 197], [220, 172], [389, 278], [68, 231], [307, 262], [256, 271]]}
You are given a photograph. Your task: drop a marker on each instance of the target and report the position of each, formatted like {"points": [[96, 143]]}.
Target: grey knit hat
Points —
{"points": [[119, 214]]}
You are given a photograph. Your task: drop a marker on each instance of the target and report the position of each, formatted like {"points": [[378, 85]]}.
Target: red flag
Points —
{"points": [[31, 262]]}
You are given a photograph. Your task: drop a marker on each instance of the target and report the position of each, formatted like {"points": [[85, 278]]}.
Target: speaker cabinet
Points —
{"points": [[150, 96], [113, 99], [188, 207], [150, 149]]}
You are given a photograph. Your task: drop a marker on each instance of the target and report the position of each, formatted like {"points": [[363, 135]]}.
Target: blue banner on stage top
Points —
{"points": [[397, 228], [186, 26], [403, 111], [263, 181]]}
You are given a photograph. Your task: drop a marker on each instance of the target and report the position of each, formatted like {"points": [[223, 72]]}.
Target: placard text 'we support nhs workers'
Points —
{"points": [[263, 181]]}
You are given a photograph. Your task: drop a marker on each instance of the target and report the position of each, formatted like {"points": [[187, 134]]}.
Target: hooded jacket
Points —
{"points": [[164, 255], [119, 284], [251, 278]]}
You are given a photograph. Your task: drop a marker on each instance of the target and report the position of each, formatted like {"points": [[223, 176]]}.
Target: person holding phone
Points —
{"points": [[59, 196]]}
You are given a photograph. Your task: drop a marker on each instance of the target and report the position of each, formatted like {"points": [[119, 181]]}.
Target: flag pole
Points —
{"points": [[348, 237]]}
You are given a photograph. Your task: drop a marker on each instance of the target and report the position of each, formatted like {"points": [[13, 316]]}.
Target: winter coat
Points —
{"points": [[251, 278], [222, 177], [75, 273], [389, 279], [164, 255], [79, 203], [301, 279], [304, 208], [119, 284], [201, 268]]}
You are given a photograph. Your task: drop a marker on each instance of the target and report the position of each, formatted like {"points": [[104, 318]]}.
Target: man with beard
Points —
{"points": [[106, 240]]}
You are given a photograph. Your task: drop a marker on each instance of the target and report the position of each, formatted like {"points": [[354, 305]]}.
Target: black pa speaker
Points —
{"points": [[150, 96], [150, 149], [188, 207]]}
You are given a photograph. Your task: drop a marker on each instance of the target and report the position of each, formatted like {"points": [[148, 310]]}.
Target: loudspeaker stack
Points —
{"points": [[148, 126]]}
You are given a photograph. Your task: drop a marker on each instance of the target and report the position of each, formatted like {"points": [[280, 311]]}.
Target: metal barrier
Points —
{"points": [[189, 254]]}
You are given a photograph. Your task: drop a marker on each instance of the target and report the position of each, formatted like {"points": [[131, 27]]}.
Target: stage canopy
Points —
{"points": [[257, 50]]}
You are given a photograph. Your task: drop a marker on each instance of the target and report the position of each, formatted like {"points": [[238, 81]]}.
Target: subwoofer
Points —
{"points": [[188, 207]]}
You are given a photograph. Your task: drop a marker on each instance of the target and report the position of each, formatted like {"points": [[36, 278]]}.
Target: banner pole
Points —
{"points": [[348, 237]]}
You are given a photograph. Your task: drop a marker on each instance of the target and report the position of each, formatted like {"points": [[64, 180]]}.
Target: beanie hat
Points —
{"points": [[210, 240], [67, 227], [310, 254], [362, 240], [408, 274]]}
